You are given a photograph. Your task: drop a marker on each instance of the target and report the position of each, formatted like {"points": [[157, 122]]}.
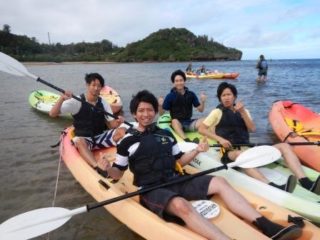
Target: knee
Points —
{"points": [[220, 181], [180, 207], [80, 143], [218, 184], [118, 134], [175, 122]]}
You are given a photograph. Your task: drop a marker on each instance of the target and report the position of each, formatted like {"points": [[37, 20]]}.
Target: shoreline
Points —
{"points": [[65, 63]]}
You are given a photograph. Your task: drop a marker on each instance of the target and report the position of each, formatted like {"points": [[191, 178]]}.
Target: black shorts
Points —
{"points": [[157, 200], [262, 72]]}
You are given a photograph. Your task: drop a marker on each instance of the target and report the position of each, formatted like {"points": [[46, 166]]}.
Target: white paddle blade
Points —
{"points": [[187, 146], [35, 223], [12, 66], [256, 157]]}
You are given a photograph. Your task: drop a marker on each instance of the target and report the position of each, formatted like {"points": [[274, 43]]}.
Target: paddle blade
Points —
{"points": [[35, 223], [12, 66], [257, 156], [187, 146]]}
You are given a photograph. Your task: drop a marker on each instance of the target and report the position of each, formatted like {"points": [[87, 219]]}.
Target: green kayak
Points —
{"points": [[43, 100]]}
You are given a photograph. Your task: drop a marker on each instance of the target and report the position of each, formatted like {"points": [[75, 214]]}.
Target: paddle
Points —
{"points": [[43, 220], [12, 66]]}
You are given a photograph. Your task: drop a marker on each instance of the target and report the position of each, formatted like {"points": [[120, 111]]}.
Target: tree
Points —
{"points": [[6, 28]]}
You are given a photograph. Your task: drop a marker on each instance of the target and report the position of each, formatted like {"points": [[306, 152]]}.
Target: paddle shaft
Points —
{"points": [[162, 185], [261, 144], [79, 99]]}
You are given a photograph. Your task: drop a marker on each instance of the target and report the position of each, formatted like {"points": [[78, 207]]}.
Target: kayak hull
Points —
{"points": [[134, 215], [213, 75], [280, 117]]}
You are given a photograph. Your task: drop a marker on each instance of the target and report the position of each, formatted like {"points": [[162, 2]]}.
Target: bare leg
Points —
{"points": [[291, 159], [198, 122], [118, 134], [180, 207], [177, 127], [234, 200], [85, 152]]}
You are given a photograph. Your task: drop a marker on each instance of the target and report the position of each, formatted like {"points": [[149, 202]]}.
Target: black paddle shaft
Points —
{"points": [[79, 99], [148, 189]]}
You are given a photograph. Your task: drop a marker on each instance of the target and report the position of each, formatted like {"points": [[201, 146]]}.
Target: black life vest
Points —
{"points": [[89, 121], [232, 126], [153, 161], [181, 107]]}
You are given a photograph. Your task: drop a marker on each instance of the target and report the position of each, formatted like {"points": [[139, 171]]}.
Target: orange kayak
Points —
{"points": [[232, 75], [292, 122]]}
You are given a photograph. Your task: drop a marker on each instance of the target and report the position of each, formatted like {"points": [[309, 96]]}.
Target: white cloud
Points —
{"points": [[247, 24]]}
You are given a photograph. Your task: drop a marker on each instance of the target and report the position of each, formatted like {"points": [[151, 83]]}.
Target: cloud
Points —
{"points": [[247, 24]]}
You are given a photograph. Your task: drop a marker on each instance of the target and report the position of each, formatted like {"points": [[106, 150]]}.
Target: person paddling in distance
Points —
{"points": [[230, 123], [151, 154], [179, 102], [93, 130]]}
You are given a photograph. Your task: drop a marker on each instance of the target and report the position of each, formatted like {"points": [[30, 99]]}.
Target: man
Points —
{"points": [[230, 123], [152, 153], [180, 102], [262, 67], [93, 129]]}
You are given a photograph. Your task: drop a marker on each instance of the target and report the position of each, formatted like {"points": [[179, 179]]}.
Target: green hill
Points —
{"points": [[175, 44]]}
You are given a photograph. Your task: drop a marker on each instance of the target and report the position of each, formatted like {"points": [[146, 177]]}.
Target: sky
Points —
{"points": [[279, 29]]}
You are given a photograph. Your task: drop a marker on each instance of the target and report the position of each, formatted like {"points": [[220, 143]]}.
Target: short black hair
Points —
{"points": [[143, 96], [222, 86], [178, 73], [93, 76]]}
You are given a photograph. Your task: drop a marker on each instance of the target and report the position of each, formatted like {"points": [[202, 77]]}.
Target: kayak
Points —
{"points": [[135, 216], [267, 208], [164, 122], [112, 97], [232, 75], [287, 117], [300, 201], [43, 100], [213, 75]]}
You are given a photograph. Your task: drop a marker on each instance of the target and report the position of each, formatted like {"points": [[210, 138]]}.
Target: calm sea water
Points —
{"points": [[28, 166]]}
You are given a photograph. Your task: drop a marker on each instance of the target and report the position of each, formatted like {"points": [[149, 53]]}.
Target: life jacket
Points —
{"points": [[181, 107], [153, 161], [263, 65], [232, 126], [89, 121]]}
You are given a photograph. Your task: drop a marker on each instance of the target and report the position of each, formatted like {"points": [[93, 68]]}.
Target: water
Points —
{"points": [[28, 166]]}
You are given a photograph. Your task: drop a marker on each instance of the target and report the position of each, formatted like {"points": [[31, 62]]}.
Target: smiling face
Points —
{"points": [[227, 98], [179, 82], [144, 115]]}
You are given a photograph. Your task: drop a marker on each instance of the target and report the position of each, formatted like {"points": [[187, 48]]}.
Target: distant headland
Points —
{"points": [[165, 45]]}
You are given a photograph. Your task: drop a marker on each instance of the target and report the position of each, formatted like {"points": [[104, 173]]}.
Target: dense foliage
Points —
{"points": [[175, 44]]}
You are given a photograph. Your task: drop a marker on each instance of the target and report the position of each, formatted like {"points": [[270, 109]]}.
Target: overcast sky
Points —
{"points": [[277, 28]]}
